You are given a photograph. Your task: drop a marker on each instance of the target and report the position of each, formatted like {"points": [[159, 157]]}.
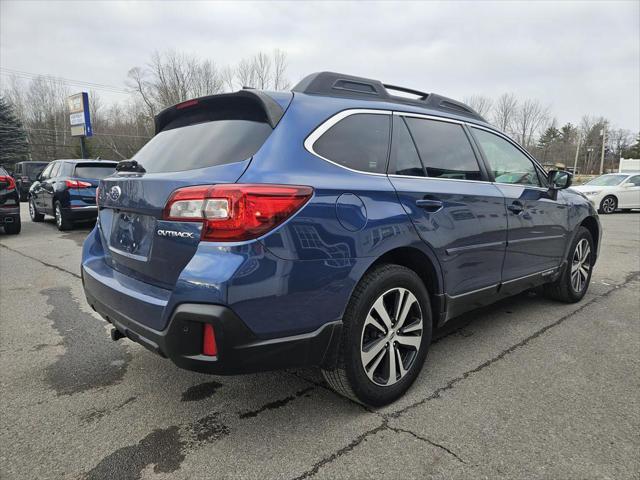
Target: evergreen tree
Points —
{"points": [[633, 151], [549, 136], [13, 139]]}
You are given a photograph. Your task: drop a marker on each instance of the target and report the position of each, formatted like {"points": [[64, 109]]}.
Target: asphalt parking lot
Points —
{"points": [[526, 388]]}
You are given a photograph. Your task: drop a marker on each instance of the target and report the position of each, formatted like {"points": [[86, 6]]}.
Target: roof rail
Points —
{"points": [[348, 86]]}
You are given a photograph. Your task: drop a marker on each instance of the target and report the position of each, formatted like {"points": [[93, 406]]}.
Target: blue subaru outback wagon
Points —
{"points": [[336, 225]]}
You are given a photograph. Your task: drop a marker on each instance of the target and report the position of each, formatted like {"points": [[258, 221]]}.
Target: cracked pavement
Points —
{"points": [[526, 388]]}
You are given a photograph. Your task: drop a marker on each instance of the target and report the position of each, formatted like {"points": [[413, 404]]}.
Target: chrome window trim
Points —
{"points": [[334, 119], [439, 179], [532, 187], [428, 117], [330, 122]]}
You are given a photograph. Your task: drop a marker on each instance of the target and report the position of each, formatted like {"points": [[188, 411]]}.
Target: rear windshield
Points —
{"points": [[33, 169], [97, 172], [203, 145]]}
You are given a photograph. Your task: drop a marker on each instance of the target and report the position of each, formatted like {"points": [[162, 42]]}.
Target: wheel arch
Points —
{"points": [[591, 224], [426, 267]]}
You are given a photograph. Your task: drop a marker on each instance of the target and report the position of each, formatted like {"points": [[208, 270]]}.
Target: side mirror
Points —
{"points": [[627, 185], [559, 179]]}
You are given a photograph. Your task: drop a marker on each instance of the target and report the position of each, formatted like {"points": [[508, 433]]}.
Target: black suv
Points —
{"points": [[25, 174], [9, 203], [66, 189]]}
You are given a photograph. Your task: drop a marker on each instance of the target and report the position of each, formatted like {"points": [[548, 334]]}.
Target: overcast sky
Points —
{"points": [[577, 57]]}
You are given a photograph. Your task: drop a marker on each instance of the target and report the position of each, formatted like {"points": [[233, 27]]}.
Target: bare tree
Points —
{"points": [[480, 104], [280, 82], [228, 78], [504, 111], [262, 68], [528, 119], [245, 73], [137, 83]]}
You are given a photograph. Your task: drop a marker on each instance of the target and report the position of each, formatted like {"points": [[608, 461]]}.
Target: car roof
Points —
{"points": [[338, 85]]}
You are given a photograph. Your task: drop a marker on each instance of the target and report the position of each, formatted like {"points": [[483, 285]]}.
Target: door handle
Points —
{"points": [[429, 205], [516, 207]]}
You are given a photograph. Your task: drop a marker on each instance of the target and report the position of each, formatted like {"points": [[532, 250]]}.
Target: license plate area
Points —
{"points": [[132, 235]]}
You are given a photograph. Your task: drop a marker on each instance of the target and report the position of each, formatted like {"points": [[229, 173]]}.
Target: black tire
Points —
{"points": [[62, 222], [563, 288], [33, 212], [349, 377], [13, 228], [608, 205]]}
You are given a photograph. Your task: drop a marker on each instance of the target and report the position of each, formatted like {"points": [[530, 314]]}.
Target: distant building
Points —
{"points": [[628, 165]]}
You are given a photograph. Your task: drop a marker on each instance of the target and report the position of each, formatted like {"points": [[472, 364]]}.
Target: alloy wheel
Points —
{"points": [[32, 209], [58, 216], [580, 265], [391, 336], [608, 205]]}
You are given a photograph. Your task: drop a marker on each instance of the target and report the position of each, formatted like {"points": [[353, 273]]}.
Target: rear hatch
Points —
{"points": [[200, 142]]}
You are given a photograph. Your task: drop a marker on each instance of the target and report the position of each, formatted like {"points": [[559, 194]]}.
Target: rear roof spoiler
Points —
{"points": [[244, 104]]}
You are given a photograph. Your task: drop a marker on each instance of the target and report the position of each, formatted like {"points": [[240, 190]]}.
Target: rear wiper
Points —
{"points": [[129, 166]]}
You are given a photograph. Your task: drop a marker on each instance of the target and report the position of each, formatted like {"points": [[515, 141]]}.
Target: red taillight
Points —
{"points": [[11, 183], [209, 346], [236, 212], [77, 184]]}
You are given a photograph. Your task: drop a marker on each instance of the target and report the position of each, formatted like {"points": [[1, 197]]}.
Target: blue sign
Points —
{"points": [[88, 131]]}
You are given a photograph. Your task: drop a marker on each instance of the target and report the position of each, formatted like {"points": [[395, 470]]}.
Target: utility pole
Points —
{"points": [[575, 161], [82, 148], [604, 135]]}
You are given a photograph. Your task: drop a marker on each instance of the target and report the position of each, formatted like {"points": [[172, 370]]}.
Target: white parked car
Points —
{"points": [[613, 191]]}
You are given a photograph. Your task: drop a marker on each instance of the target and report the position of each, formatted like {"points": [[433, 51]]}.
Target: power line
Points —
{"points": [[64, 132], [68, 81]]}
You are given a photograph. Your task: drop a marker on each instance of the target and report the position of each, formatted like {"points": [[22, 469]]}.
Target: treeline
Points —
{"points": [[34, 119], [531, 124], [36, 108]]}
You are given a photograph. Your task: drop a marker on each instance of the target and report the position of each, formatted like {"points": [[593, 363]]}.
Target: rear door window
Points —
{"points": [[202, 145], [359, 142], [47, 172], [55, 170], [404, 158], [444, 149], [95, 171]]}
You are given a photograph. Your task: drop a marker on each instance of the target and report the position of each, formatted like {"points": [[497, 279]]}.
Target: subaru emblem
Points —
{"points": [[114, 193]]}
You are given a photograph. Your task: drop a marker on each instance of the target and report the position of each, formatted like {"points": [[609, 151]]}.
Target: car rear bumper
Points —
{"points": [[9, 214], [80, 213], [239, 349]]}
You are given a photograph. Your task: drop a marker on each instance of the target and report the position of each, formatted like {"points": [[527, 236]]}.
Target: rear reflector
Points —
{"points": [[209, 346], [236, 212]]}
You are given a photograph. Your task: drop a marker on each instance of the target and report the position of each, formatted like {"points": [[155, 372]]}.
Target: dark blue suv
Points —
{"points": [[336, 225]]}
